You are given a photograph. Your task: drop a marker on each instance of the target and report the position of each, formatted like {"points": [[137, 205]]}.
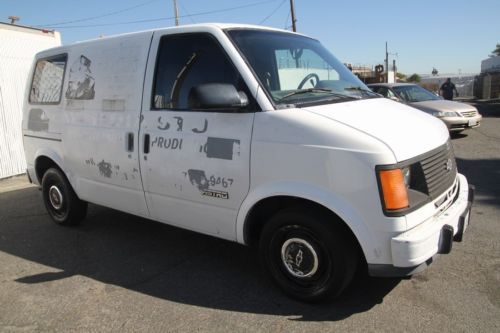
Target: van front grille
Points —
{"points": [[440, 170]]}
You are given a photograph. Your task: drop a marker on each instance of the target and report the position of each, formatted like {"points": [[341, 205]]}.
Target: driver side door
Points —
{"points": [[194, 163]]}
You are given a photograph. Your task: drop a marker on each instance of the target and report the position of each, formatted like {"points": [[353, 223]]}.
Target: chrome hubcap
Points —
{"points": [[299, 258], [55, 197]]}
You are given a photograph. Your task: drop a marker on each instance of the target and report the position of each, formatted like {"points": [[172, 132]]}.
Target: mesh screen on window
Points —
{"points": [[48, 80]]}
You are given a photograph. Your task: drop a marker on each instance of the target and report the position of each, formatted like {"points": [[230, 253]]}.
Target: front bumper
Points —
{"points": [[462, 123], [414, 249]]}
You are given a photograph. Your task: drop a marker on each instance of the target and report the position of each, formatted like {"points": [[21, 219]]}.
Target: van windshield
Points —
{"points": [[297, 70]]}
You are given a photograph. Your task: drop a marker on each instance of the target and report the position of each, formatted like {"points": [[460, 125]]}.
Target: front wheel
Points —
{"points": [[308, 254], [61, 202]]}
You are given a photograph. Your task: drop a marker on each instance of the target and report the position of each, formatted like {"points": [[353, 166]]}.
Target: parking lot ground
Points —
{"points": [[118, 272]]}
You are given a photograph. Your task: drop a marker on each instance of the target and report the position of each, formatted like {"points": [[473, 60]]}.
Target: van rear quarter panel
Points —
{"points": [[42, 123], [100, 106]]}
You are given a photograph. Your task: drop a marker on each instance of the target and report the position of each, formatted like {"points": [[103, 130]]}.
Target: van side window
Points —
{"points": [[186, 61], [46, 86]]}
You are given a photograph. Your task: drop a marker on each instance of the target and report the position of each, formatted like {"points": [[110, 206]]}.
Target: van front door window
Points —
{"points": [[198, 59]]}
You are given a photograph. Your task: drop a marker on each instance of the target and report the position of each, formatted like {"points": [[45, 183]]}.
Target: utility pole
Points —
{"points": [[395, 71], [386, 64], [292, 10], [176, 11]]}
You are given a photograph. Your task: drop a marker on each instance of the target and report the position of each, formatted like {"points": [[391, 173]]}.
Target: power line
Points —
{"points": [[187, 12], [273, 12], [100, 16], [164, 18], [286, 20]]}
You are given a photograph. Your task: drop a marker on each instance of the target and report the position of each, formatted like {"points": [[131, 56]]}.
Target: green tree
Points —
{"points": [[414, 78], [401, 76], [496, 51]]}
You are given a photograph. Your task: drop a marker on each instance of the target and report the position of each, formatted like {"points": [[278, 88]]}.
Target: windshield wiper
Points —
{"points": [[314, 90]]}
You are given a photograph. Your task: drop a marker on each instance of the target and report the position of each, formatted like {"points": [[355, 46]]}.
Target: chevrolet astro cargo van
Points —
{"points": [[250, 134]]}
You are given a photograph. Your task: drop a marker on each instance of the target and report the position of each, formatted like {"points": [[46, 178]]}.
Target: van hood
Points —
{"points": [[406, 131]]}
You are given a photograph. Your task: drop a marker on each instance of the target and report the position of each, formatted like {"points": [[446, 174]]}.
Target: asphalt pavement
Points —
{"points": [[118, 272]]}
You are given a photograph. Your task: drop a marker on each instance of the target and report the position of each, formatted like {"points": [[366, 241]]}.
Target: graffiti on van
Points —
{"points": [[165, 125], [105, 169], [199, 179], [80, 80], [38, 120]]}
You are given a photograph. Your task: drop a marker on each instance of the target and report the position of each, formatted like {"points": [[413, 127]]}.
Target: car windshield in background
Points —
{"points": [[414, 93], [297, 70]]}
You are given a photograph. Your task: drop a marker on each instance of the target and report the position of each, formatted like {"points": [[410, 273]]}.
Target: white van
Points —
{"points": [[250, 134]]}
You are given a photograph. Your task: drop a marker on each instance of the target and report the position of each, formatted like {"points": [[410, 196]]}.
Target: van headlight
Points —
{"points": [[444, 114], [406, 176]]}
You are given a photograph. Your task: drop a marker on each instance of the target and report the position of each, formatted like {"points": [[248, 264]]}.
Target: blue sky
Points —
{"points": [[448, 35]]}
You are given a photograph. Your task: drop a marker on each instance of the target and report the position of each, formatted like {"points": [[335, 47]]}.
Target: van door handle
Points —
{"points": [[146, 143], [130, 142]]}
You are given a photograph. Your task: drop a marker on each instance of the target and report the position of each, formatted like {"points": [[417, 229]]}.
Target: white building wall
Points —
{"points": [[391, 77], [491, 64], [18, 46]]}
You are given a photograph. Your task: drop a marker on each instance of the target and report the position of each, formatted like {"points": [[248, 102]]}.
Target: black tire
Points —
{"points": [[308, 254], [61, 202]]}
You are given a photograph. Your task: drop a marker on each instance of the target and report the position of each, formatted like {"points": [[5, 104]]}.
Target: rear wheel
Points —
{"points": [[308, 254], [61, 202]]}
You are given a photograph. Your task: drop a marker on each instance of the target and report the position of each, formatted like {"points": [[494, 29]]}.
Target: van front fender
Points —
{"points": [[343, 209]]}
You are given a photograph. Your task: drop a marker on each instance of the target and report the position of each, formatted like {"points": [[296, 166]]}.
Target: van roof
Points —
{"points": [[191, 27], [177, 29]]}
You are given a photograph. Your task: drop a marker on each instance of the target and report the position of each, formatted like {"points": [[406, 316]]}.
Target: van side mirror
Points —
{"points": [[221, 96]]}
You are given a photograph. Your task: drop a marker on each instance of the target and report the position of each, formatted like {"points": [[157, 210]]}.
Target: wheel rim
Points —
{"points": [[305, 258], [56, 197], [299, 258], [311, 273]]}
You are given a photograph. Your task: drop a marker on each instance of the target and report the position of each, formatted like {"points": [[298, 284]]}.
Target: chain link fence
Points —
{"points": [[464, 84]]}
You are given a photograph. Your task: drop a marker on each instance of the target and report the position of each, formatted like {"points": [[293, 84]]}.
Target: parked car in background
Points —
{"points": [[457, 116]]}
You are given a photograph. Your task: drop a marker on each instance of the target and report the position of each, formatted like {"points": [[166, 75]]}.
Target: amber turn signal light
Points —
{"points": [[393, 189]]}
